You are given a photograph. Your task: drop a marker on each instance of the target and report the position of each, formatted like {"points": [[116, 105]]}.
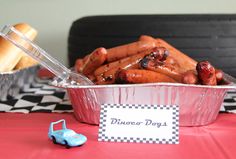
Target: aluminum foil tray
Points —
{"points": [[199, 104], [11, 82]]}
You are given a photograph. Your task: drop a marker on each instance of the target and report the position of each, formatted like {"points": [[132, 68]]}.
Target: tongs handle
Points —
{"points": [[10, 34]]}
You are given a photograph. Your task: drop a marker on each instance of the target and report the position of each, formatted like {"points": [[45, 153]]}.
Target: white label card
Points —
{"points": [[139, 123]]}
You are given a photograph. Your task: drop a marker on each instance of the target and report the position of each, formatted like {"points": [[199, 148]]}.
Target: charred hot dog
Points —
{"points": [[206, 73]]}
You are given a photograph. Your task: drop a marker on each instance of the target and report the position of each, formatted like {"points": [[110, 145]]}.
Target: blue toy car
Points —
{"points": [[65, 136]]}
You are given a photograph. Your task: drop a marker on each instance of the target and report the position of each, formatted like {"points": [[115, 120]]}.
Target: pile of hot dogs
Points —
{"points": [[148, 60]]}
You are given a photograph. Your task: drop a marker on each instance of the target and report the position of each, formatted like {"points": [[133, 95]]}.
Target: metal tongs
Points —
{"points": [[46, 60]]}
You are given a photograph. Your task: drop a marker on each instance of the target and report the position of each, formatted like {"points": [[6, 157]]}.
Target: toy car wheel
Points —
{"points": [[66, 144], [54, 140]]}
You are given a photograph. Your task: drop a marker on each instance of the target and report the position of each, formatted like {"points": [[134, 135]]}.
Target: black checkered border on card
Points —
{"points": [[175, 127]]}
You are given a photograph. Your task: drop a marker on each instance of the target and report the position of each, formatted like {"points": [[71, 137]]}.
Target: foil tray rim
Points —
{"points": [[229, 86]]}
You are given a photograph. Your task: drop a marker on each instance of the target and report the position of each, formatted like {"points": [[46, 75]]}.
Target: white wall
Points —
{"points": [[52, 18]]}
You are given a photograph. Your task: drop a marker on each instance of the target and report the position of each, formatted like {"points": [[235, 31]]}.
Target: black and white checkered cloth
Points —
{"points": [[40, 97], [229, 104]]}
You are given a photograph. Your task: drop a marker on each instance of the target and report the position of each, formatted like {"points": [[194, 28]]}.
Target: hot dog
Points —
{"points": [[171, 61], [159, 54], [109, 76], [123, 51], [95, 59], [190, 77], [206, 73], [79, 65], [101, 80], [133, 62], [100, 70], [146, 38], [183, 60], [219, 75], [86, 58], [91, 77], [141, 76], [162, 67]]}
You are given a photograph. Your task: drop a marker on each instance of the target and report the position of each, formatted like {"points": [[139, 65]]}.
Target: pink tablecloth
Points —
{"points": [[25, 136]]}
